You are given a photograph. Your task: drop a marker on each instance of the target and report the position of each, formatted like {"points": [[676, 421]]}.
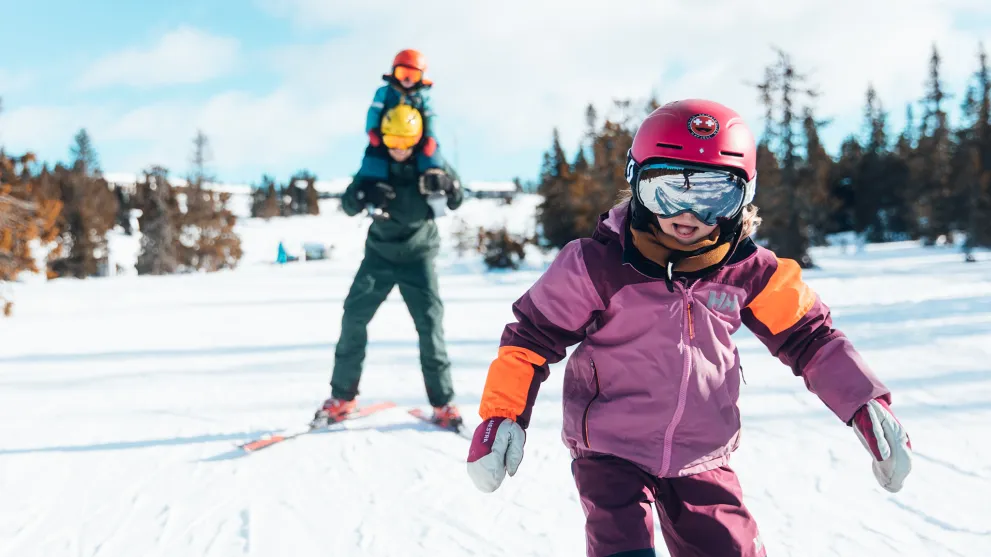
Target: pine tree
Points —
{"points": [[787, 217], [609, 149], [89, 211], [45, 186], [286, 196], [936, 205], [306, 199], [771, 198], [198, 202], [843, 185], [200, 159], [273, 201], [265, 201], [84, 153], [159, 224], [814, 201], [983, 136], [292, 199], [585, 191], [875, 122], [983, 77], [581, 164], [258, 196], [905, 159], [591, 122], [907, 139], [28, 216], [871, 179], [556, 215], [312, 198], [207, 240], [767, 89], [971, 168]]}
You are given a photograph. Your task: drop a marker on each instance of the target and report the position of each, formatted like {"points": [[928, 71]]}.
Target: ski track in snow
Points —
{"points": [[118, 439], [939, 523], [951, 466]]}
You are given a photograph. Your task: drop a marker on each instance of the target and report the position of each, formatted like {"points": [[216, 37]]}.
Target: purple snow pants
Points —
{"points": [[701, 515]]}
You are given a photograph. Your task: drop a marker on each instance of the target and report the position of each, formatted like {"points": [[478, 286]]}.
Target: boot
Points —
{"points": [[447, 416], [333, 411]]}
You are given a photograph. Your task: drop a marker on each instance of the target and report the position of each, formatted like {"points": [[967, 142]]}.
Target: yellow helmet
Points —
{"points": [[402, 127]]}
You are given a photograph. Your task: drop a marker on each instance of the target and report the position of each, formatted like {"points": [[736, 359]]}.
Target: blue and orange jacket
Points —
{"points": [[375, 163], [392, 94]]}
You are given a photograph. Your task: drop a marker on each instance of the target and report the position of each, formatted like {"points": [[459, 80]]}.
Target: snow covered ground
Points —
{"points": [[121, 400]]}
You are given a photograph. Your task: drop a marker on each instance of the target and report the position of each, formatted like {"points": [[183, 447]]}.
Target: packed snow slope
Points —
{"points": [[121, 400]]}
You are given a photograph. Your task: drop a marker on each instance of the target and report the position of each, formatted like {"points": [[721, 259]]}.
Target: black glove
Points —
{"points": [[378, 194], [435, 181]]}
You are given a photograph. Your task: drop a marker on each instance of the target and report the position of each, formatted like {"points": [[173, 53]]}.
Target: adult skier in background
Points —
{"points": [[650, 393], [400, 250]]}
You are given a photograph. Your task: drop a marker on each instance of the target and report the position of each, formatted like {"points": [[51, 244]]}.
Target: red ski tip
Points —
{"points": [[262, 443]]}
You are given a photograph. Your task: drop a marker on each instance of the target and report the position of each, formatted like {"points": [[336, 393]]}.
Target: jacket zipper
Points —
{"points": [[689, 334], [595, 374]]}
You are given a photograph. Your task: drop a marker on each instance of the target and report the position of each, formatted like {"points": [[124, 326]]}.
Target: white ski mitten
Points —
{"points": [[496, 448], [883, 435]]}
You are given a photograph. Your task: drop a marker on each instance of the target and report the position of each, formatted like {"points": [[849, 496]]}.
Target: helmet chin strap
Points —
{"points": [[730, 231]]}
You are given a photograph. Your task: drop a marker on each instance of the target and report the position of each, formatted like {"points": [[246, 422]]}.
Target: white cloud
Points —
{"points": [[510, 71], [244, 131], [273, 131], [184, 55]]}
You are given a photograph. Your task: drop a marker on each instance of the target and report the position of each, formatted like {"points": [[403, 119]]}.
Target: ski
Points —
{"points": [[421, 415], [269, 440]]}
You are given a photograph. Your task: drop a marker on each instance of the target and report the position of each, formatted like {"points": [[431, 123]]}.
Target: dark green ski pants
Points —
{"points": [[417, 281]]}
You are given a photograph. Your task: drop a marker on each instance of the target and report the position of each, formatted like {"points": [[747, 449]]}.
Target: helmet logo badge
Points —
{"points": [[703, 126]]}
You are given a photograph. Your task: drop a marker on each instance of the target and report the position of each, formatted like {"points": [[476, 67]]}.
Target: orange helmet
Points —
{"points": [[411, 59]]}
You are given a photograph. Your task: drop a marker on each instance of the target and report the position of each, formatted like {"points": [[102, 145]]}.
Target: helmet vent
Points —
{"points": [[731, 154], [671, 146]]}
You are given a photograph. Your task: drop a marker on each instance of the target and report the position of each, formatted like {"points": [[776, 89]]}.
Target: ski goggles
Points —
{"points": [[671, 189], [399, 142], [402, 73]]}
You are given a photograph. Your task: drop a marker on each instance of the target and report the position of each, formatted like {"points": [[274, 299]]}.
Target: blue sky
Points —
{"points": [[280, 85]]}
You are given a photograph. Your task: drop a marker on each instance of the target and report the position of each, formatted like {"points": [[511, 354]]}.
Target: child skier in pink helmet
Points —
{"points": [[650, 393]]}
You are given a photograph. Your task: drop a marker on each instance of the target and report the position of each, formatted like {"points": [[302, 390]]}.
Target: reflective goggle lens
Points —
{"points": [[669, 190]]}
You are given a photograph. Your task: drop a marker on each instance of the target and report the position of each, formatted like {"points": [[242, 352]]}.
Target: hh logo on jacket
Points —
{"points": [[723, 302]]}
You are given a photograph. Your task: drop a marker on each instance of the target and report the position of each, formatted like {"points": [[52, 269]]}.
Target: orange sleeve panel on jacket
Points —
{"points": [[508, 383], [785, 299]]}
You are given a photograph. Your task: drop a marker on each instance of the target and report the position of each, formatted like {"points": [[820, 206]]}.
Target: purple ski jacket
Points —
{"points": [[655, 377]]}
